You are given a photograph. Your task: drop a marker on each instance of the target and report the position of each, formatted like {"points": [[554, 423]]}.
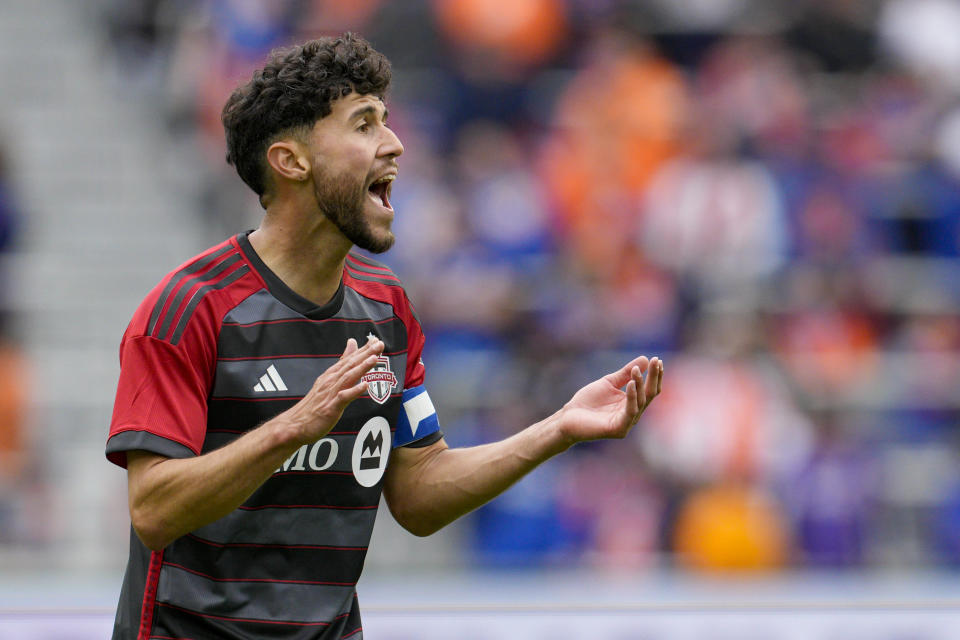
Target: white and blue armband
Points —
{"points": [[417, 420]]}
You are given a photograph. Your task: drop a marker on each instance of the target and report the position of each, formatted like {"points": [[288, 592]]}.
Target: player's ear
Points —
{"points": [[286, 157]]}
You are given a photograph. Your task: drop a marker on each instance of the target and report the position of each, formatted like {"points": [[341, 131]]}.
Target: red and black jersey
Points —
{"points": [[220, 346]]}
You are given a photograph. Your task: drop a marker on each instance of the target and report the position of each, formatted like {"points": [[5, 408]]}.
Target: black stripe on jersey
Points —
{"points": [[289, 320], [257, 545], [356, 275], [369, 261], [225, 413], [356, 269], [311, 356], [175, 280], [228, 414], [362, 268], [171, 313], [253, 600], [198, 297], [369, 507], [179, 622], [293, 527], [220, 578], [296, 338], [235, 619], [338, 567], [313, 491]]}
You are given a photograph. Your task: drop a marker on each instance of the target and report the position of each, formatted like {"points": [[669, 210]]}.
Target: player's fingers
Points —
{"points": [[650, 384], [636, 377], [621, 377], [660, 378], [348, 395], [373, 346], [352, 375], [633, 401], [351, 358], [350, 352]]}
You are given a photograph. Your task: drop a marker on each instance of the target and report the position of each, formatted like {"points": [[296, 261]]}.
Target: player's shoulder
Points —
{"points": [[375, 280], [364, 264], [366, 274], [197, 288]]}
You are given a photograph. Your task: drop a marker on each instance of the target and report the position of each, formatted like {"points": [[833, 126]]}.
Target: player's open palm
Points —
{"points": [[610, 406]]}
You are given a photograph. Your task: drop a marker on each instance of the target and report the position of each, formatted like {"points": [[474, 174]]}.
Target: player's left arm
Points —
{"points": [[427, 488]]}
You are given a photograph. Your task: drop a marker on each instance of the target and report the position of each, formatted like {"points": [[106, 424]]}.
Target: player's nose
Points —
{"points": [[391, 144]]}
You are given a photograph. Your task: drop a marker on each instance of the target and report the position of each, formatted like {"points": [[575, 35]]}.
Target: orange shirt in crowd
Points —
{"points": [[13, 401], [618, 121], [521, 32]]}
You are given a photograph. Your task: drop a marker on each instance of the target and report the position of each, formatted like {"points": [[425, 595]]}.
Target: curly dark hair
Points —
{"points": [[295, 88]]}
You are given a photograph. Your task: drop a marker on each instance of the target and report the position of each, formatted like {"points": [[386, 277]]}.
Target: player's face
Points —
{"points": [[354, 160]]}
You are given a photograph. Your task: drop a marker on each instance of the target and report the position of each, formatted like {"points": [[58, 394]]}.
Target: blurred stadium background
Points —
{"points": [[764, 193]]}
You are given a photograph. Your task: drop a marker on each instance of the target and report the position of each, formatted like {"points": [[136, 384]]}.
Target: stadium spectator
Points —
{"points": [[833, 498], [15, 453], [615, 124], [731, 528]]}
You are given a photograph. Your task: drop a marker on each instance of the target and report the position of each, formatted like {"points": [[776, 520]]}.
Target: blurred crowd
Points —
{"points": [[765, 194], [18, 474]]}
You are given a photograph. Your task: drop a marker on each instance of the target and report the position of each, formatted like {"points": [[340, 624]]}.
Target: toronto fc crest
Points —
{"points": [[380, 380]]}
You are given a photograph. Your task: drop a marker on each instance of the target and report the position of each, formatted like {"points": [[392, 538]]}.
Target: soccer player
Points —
{"points": [[271, 388]]}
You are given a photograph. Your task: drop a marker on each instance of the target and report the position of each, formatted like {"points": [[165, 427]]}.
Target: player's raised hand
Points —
{"points": [[610, 406], [318, 411]]}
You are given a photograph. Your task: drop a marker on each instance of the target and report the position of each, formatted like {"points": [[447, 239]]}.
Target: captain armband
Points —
{"points": [[417, 418]]}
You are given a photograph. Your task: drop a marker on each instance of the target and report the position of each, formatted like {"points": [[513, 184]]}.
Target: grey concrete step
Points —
{"points": [[105, 220]]}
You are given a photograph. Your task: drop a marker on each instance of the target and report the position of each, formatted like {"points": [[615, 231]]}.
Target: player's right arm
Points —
{"points": [[169, 497]]}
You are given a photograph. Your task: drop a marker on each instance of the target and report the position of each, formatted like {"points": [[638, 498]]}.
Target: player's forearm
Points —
{"points": [[441, 487], [170, 497]]}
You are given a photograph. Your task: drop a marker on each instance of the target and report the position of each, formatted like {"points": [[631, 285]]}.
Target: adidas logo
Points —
{"points": [[270, 381]]}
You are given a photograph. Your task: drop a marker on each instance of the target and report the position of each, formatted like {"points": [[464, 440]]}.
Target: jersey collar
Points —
{"points": [[279, 290]]}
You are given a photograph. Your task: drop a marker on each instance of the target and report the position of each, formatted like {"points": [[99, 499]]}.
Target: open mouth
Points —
{"points": [[380, 191]]}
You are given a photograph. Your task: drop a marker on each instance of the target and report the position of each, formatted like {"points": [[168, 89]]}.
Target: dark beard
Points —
{"points": [[342, 203]]}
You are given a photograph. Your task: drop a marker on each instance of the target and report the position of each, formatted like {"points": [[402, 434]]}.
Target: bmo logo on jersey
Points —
{"points": [[370, 451], [368, 461]]}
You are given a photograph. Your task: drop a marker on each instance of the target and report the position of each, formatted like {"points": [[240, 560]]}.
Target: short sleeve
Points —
{"points": [[418, 424], [161, 402], [415, 339]]}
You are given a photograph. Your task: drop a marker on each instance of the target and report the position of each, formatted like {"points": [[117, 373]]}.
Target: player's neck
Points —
{"points": [[308, 257]]}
